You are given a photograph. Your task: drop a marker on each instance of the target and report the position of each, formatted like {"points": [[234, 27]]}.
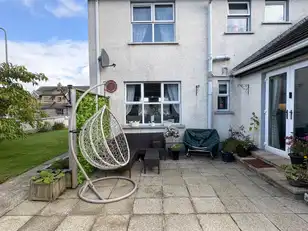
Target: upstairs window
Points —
{"points": [[153, 23], [238, 17], [275, 11]]}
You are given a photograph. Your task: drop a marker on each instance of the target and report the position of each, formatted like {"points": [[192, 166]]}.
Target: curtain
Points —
{"points": [[173, 95], [140, 31], [164, 33], [275, 106], [163, 13], [130, 94]]}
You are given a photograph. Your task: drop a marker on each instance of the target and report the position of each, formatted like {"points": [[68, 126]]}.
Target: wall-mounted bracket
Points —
{"points": [[245, 87]]}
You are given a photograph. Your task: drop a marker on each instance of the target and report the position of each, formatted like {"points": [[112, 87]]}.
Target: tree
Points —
{"points": [[17, 105]]}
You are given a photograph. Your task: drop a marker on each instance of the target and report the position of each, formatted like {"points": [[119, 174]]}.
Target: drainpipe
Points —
{"points": [[210, 67], [98, 74]]}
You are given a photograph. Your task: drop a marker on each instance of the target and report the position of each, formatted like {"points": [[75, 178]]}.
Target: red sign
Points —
{"points": [[111, 86]]}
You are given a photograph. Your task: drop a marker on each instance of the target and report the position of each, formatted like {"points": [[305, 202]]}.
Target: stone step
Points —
{"points": [[274, 176]]}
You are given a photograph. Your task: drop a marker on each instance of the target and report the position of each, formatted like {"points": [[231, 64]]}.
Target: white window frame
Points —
{"points": [[224, 82], [271, 3], [246, 16], [153, 20], [162, 101]]}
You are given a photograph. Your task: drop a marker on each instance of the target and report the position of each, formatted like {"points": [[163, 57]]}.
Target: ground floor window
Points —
{"points": [[152, 102], [223, 96]]}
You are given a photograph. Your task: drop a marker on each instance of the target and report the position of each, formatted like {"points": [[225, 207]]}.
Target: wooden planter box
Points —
{"points": [[47, 192]]}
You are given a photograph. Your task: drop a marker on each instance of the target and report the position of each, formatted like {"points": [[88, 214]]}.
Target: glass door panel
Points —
{"points": [[277, 111]]}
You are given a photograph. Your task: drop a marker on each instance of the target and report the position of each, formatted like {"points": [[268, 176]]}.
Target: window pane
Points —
{"points": [[237, 24], [238, 8], [133, 113], [142, 33], [152, 113], [222, 102], [274, 13], [171, 113], [142, 13], [223, 88], [171, 92], [133, 92], [164, 12], [152, 92], [164, 32]]}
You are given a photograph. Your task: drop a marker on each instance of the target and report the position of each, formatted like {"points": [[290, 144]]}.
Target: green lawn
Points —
{"points": [[18, 156]]}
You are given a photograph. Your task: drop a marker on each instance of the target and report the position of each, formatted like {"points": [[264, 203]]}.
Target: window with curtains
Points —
{"points": [[223, 96], [153, 22], [152, 102], [238, 16]]}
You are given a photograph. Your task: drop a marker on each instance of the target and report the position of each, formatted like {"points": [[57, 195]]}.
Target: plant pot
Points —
{"points": [[46, 192], [298, 183], [227, 156], [296, 159], [175, 155]]}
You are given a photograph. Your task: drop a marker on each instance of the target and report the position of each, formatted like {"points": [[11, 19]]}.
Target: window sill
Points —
{"points": [[159, 126], [157, 43], [224, 113], [276, 23], [239, 33]]}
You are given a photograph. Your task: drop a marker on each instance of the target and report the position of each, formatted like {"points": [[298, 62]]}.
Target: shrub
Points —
{"points": [[58, 126], [48, 177], [44, 127]]}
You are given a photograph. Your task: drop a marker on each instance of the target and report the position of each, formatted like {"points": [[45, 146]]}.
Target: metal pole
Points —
{"points": [[6, 51]]}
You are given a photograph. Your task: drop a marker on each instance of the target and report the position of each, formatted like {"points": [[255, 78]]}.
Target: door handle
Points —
{"points": [[291, 113], [287, 113]]}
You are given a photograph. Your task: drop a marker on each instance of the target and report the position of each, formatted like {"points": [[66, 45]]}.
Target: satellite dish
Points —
{"points": [[104, 59]]}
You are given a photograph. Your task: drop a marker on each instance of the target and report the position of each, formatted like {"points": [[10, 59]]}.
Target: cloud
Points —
{"points": [[67, 8], [62, 61]]}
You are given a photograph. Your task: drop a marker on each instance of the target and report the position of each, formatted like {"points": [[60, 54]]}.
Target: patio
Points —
{"points": [[190, 194]]}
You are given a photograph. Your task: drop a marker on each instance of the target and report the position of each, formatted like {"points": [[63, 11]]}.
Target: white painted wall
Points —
{"points": [[184, 62], [239, 47]]}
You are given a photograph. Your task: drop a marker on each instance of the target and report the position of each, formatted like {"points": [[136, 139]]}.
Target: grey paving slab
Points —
{"points": [[41, 223], [195, 180], [104, 191], [253, 222], [70, 194], [269, 205], [274, 174], [151, 180], [149, 191], [13, 223], [288, 222], [177, 205], [148, 206], [171, 180], [204, 190], [217, 180], [120, 207], [111, 223], [59, 207], [85, 208], [294, 205], [76, 223], [239, 179], [227, 189], [182, 223], [175, 191], [171, 173], [28, 208], [252, 190], [304, 216], [146, 222], [168, 166], [272, 190], [208, 205], [211, 172], [239, 205], [215, 222], [258, 180], [120, 191]]}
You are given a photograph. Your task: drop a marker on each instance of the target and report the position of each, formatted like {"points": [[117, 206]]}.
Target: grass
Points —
{"points": [[18, 156]]}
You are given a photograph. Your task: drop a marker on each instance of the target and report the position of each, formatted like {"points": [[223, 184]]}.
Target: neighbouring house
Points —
{"points": [[53, 100], [204, 64]]}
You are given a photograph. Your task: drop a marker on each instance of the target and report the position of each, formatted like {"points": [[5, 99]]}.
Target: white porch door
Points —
{"points": [[286, 112]]}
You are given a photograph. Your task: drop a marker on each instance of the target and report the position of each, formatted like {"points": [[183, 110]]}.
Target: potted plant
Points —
{"points": [[298, 149], [47, 185], [175, 151], [296, 175], [228, 148]]}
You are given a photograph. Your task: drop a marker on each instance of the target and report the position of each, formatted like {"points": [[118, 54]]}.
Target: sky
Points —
{"points": [[47, 36]]}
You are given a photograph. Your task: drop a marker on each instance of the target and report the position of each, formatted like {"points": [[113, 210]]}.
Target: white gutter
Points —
{"points": [[210, 67], [274, 56], [98, 74]]}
